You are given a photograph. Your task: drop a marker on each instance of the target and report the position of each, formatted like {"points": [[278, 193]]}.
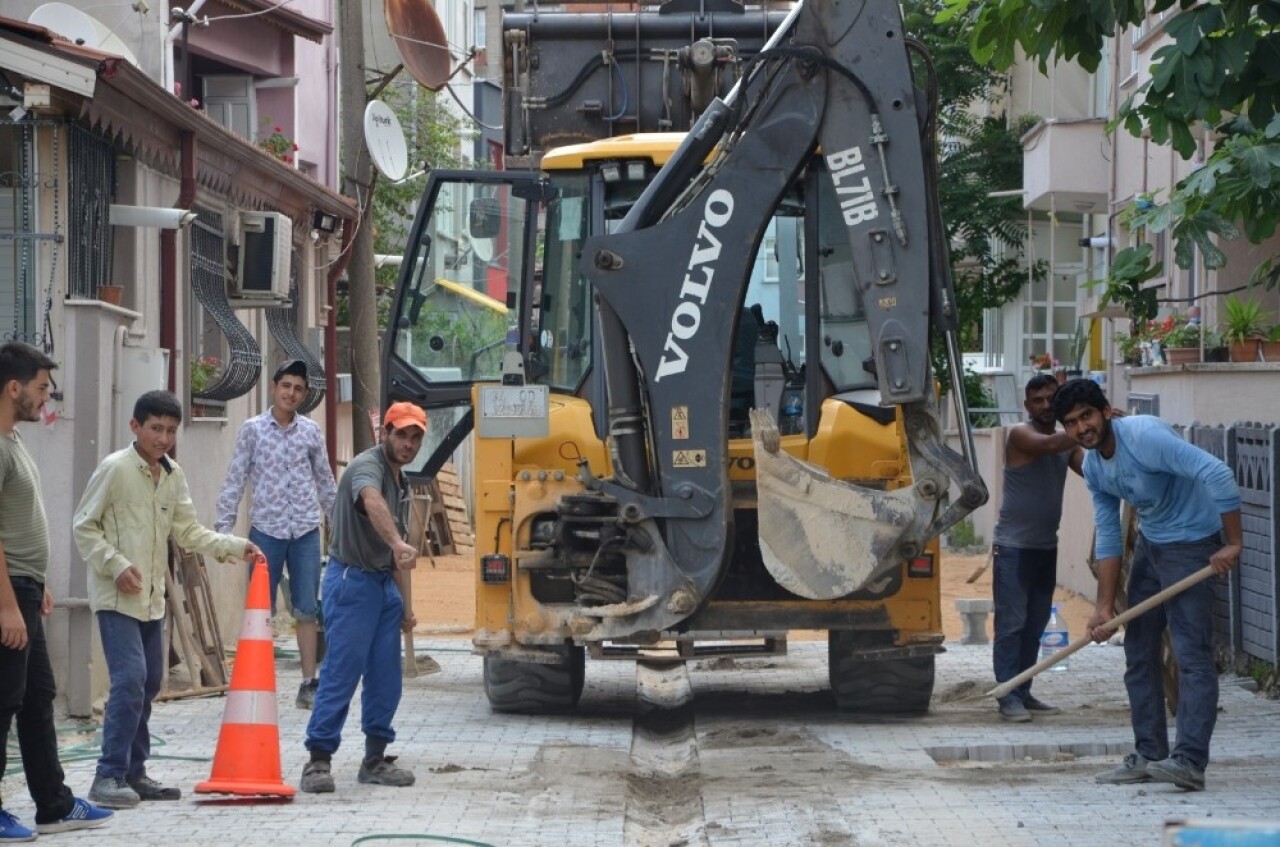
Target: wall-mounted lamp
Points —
{"points": [[324, 222], [162, 217]]}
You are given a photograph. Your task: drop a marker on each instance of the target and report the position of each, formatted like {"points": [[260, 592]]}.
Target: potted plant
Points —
{"points": [[1181, 342], [1129, 346], [204, 372], [1242, 328], [1271, 345]]}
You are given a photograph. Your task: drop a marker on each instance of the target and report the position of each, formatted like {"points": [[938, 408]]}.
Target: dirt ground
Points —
{"points": [[444, 596]]}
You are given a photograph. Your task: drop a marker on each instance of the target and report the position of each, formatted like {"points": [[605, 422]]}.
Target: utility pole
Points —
{"points": [[357, 182]]}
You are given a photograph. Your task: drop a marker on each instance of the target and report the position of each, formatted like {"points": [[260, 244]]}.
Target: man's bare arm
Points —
{"points": [[385, 525], [13, 628]]}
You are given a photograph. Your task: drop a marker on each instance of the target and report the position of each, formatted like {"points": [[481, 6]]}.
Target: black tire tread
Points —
{"points": [[532, 687]]}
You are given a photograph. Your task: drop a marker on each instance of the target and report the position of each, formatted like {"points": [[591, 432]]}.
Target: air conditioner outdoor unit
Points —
{"points": [[266, 250]]}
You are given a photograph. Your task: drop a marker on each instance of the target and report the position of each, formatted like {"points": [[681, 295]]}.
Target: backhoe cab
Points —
{"points": [[698, 370]]}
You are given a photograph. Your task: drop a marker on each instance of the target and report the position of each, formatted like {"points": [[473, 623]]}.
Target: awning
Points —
{"points": [[282, 16]]}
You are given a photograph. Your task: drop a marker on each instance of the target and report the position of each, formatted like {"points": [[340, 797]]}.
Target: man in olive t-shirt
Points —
{"points": [[367, 601], [28, 688]]}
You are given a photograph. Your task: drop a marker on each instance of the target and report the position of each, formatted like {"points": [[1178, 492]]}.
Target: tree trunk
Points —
{"points": [[357, 182]]}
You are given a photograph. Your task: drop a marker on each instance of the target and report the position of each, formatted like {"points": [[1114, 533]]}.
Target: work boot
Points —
{"points": [[1012, 709], [307, 694], [110, 792], [1039, 707], [317, 778], [379, 770], [148, 789], [1132, 770], [1180, 773]]}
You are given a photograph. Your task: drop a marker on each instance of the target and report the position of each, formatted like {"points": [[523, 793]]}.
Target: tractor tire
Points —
{"points": [[888, 687], [534, 688]]}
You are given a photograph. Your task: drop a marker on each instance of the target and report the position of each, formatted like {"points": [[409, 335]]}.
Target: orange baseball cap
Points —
{"points": [[405, 414]]}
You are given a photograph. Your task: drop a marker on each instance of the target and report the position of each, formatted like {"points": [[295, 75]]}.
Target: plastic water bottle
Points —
{"points": [[1054, 638], [792, 420]]}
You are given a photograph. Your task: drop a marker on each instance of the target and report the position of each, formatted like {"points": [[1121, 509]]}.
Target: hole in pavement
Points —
{"points": [[1043, 752]]}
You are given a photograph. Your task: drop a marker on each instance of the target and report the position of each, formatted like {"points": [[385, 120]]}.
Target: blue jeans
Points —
{"points": [[303, 557], [1022, 586], [1188, 615], [135, 665], [26, 695], [363, 611]]}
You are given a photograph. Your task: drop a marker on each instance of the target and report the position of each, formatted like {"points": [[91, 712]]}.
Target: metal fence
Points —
{"points": [[1247, 606]]}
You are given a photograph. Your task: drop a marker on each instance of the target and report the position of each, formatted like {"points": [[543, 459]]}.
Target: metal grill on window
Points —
{"points": [[21, 245], [91, 181], [209, 284], [283, 323]]}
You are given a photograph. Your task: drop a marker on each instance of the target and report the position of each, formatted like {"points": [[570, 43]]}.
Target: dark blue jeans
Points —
{"points": [[302, 554], [1022, 586], [27, 693], [363, 611], [135, 664], [1189, 618]]}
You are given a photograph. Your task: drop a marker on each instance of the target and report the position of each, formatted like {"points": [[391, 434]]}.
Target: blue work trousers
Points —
{"points": [[363, 612], [1189, 618], [134, 651], [1022, 586]]}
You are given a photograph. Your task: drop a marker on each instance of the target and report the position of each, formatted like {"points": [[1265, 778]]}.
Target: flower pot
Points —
{"points": [[1181, 355], [111, 294], [1271, 351], [1245, 351]]}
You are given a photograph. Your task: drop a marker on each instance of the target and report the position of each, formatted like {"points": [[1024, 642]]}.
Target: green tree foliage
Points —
{"points": [[979, 155], [1219, 70]]}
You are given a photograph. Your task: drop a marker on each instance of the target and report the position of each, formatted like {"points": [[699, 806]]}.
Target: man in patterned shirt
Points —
{"points": [[282, 455]]}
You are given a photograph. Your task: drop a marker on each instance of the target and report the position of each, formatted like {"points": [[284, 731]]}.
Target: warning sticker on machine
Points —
{"points": [[680, 422], [689, 458]]}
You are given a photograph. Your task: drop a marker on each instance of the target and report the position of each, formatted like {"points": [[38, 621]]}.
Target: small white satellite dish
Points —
{"points": [[385, 139], [80, 28], [482, 248]]}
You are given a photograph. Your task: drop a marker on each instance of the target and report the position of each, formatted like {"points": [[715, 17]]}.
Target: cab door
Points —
{"points": [[462, 297]]}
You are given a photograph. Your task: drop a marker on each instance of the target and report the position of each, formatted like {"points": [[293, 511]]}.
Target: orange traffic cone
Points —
{"points": [[248, 756]]}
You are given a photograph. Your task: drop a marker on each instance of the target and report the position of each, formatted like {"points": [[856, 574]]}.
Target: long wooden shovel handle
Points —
{"points": [[1122, 618], [410, 656]]}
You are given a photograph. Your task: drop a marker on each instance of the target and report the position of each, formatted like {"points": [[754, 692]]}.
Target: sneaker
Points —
{"points": [[112, 793], [317, 778], [307, 694], [1180, 773], [1039, 707], [12, 832], [83, 815], [148, 789], [1013, 710], [1133, 769], [381, 771]]}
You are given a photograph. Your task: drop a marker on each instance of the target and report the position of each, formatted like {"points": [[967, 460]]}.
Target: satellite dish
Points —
{"points": [[482, 249], [80, 28], [419, 36], [385, 139]]}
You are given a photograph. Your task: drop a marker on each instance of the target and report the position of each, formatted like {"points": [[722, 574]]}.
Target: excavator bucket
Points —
{"points": [[821, 537]]}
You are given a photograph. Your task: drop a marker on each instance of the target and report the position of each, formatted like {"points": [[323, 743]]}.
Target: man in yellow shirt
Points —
{"points": [[136, 500]]}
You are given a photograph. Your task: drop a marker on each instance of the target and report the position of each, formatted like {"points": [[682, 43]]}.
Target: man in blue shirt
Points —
{"points": [[1185, 500]]}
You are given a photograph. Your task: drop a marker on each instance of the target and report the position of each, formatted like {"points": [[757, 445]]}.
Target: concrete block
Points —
{"points": [[973, 616]]}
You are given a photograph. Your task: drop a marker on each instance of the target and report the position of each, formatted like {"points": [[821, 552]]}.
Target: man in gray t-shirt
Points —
{"points": [[367, 601], [1025, 549]]}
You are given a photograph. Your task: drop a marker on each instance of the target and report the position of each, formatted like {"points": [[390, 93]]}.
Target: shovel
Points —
{"points": [[1124, 617]]}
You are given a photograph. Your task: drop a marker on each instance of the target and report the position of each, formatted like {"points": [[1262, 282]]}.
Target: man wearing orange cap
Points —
{"points": [[367, 601]]}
